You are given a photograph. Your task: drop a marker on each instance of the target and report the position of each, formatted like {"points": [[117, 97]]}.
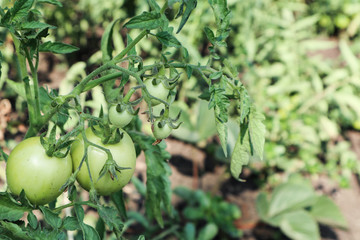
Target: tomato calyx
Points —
{"points": [[55, 148], [112, 167]]}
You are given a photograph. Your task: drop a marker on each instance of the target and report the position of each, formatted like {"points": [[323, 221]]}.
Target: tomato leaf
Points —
{"points": [[190, 6], [222, 16], [118, 200], [20, 9], [32, 219], [46, 100], [111, 218], [9, 210], [71, 224], [158, 186], [57, 47], [89, 233], [53, 2], [210, 35], [257, 133], [106, 42], [146, 20], [13, 231], [51, 218], [244, 104], [220, 103], [168, 40], [36, 25], [241, 152]]}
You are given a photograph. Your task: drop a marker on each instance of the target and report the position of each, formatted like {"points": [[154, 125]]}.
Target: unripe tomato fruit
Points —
{"points": [[158, 91], [119, 119], [161, 132], [123, 154], [29, 168], [342, 21]]}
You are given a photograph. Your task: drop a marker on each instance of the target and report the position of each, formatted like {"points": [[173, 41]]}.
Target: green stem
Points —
{"points": [[164, 7], [166, 232], [33, 126], [33, 69], [128, 95], [130, 46], [101, 80], [80, 87], [58, 209]]}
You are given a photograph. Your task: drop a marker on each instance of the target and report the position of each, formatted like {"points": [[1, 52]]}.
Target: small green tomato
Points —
{"points": [[119, 119], [159, 91], [161, 131]]}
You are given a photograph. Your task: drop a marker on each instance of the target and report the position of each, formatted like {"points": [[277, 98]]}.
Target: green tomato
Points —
{"points": [[123, 154], [158, 91], [342, 21], [119, 119], [161, 132], [325, 21], [40, 176]]}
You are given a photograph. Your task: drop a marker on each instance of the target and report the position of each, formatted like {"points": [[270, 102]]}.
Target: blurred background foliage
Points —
{"points": [[297, 58]]}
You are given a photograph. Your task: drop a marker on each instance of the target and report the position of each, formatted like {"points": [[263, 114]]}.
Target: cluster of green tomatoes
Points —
{"points": [[42, 177]]}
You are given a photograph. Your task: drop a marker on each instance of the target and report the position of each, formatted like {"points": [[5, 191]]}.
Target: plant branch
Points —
{"points": [[129, 46]]}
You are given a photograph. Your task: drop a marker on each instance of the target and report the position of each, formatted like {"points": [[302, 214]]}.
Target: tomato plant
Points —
{"points": [[29, 168], [123, 153], [103, 154]]}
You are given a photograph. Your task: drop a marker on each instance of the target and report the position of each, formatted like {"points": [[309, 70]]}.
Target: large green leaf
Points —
{"points": [[326, 212], [158, 186], [300, 225], [290, 196]]}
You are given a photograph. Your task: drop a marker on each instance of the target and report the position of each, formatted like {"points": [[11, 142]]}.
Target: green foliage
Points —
{"points": [[158, 190], [218, 214], [295, 208]]}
